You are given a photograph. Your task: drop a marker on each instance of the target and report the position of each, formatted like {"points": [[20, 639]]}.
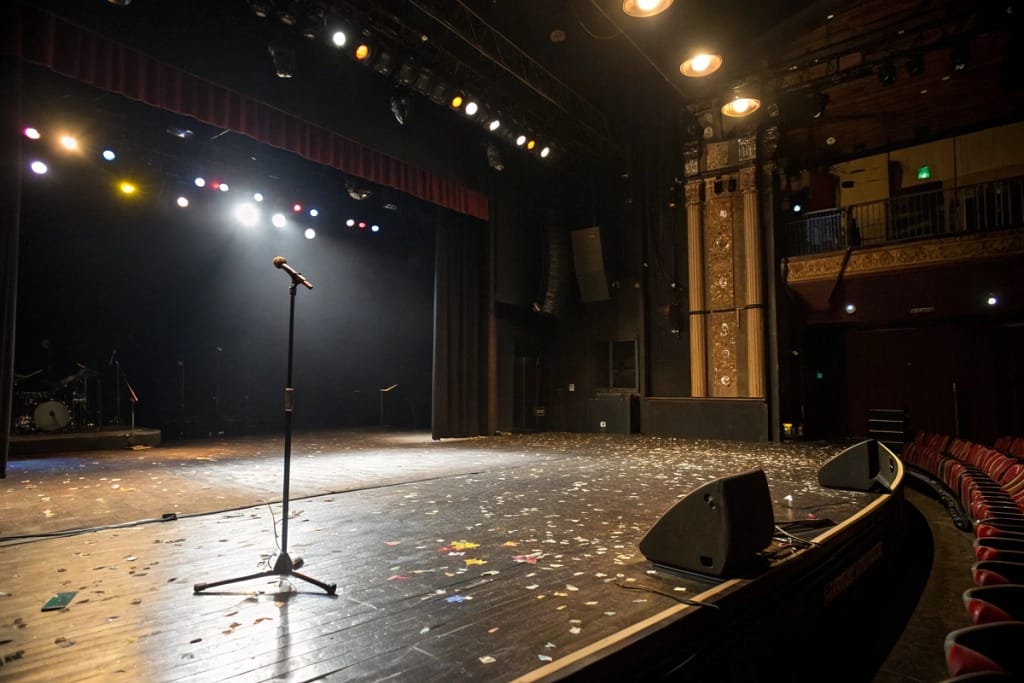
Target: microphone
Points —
{"points": [[297, 278]]}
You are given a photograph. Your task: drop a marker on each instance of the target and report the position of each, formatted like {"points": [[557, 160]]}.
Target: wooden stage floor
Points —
{"points": [[485, 559]]}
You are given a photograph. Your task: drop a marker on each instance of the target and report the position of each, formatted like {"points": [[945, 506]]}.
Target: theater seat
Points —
{"points": [[988, 647], [990, 573], [980, 677], [998, 528], [987, 604], [999, 548]]}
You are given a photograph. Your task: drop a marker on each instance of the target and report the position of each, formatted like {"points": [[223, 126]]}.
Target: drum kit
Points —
{"points": [[52, 406]]}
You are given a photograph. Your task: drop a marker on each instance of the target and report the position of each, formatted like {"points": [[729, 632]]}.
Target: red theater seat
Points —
{"points": [[988, 647], [1001, 549], [987, 604], [980, 677], [994, 573]]}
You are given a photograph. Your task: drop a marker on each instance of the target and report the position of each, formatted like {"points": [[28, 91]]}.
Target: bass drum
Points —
{"points": [[51, 416]]}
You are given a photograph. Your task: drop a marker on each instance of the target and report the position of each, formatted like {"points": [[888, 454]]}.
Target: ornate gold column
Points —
{"points": [[754, 305], [698, 309]]}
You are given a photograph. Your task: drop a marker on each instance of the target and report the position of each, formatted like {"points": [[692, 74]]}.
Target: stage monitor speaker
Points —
{"points": [[866, 466], [717, 529], [588, 260]]}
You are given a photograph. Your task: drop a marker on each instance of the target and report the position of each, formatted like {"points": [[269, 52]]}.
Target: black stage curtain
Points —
{"points": [[10, 196], [460, 329]]}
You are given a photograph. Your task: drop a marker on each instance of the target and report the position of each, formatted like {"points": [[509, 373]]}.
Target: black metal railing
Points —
{"points": [[974, 208]]}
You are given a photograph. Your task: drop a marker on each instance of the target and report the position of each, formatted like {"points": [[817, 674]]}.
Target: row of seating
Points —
{"points": [[989, 482]]}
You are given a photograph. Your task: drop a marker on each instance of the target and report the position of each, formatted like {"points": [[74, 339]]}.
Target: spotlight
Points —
{"points": [[214, 184], [521, 140], [530, 144], [887, 73], [701, 65], [182, 201], [406, 74], [362, 53], [471, 108], [494, 125], [374, 228], [851, 309], [278, 220], [38, 167], [68, 142], [423, 81], [31, 133], [362, 225], [127, 187], [200, 181], [384, 64], [338, 38], [284, 60], [455, 102], [439, 93], [257, 197], [545, 153], [350, 222], [109, 154], [182, 133], [314, 213], [400, 107], [247, 214], [358, 193], [797, 207], [296, 207], [494, 159], [992, 300], [645, 8], [310, 233], [260, 8], [741, 106], [224, 187]]}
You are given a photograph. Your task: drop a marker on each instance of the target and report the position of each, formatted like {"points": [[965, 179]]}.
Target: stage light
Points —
{"points": [[530, 144], [362, 52], [38, 167], [68, 142], [384, 64], [851, 309], [127, 187], [494, 125], [494, 159], [224, 187], [214, 184], [545, 153], [455, 102], [109, 154], [350, 222], [247, 214], [310, 233], [182, 201], [400, 108], [375, 228], [200, 181], [439, 93], [257, 197], [314, 213], [521, 140], [471, 108], [645, 8], [278, 220], [180, 133], [338, 38], [362, 225], [797, 208], [992, 300], [31, 133], [284, 60], [296, 207], [741, 106]]}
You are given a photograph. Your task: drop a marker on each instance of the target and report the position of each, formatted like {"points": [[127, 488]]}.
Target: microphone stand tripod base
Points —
{"points": [[284, 566]]}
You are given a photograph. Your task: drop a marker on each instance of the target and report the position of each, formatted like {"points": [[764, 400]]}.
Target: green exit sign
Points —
{"points": [[820, 375], [924, 173]]}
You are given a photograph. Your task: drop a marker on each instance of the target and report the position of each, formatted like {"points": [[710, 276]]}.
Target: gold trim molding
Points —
{"points": [[896, 257]]}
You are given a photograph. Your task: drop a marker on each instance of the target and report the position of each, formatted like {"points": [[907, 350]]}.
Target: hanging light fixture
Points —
{"points": [[700, 65], [645, 8], [740, 106]]}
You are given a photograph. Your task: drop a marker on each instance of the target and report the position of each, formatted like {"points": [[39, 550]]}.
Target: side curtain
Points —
{"points": [[460, 329]]}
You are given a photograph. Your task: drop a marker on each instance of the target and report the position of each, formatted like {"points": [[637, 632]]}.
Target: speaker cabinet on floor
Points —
{"points": [[866, 466], [717, 529]]}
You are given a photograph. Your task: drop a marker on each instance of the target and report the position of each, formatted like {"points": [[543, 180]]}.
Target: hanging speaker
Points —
{"points": [[717, 529], [588, 259], [866, 466]]}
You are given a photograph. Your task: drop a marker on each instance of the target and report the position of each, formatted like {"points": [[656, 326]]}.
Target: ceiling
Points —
{"points": [[593, 79]]}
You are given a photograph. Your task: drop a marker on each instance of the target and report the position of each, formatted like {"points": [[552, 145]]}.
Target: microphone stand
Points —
{"points": [[284, 564]]}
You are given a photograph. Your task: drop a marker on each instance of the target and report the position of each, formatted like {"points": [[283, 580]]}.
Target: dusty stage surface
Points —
{"points": [[475, 558]]}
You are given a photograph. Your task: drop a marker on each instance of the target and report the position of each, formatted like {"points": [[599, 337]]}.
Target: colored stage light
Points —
{"points": [[31, 133], [127, 187], [362, 52], [38, 167], [310, 233], [68, 142], [296, 207], [362, 225]]}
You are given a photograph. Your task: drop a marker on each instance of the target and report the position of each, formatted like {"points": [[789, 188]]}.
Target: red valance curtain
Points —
{"points": [[85, 56]]}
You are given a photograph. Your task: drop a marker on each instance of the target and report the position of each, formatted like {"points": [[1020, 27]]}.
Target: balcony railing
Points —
{"points": [[973, 208]]}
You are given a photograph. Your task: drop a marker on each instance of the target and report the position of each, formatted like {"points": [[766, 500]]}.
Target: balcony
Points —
{"points": [[972, 209]]}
